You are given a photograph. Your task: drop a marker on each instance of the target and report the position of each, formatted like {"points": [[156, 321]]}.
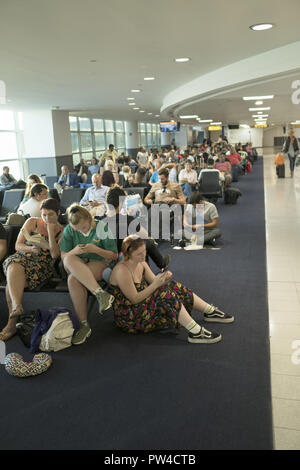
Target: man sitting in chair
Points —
{"points": [[66, 180], [94, 197]]}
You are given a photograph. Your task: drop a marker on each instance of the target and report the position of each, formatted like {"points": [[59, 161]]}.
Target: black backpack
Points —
{"points": [[231, 195]]}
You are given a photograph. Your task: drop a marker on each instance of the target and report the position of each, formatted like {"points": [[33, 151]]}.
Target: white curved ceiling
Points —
{"points": [[46, 49]]}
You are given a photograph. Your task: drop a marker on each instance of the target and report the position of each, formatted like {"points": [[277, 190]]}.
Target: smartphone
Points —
{"points": [[166, 267]]}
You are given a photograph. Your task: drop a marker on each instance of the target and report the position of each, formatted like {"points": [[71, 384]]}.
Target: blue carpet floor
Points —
{"points": [[157, 391]]}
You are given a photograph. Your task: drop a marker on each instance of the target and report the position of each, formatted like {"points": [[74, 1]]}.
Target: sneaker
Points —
{"points": [[218, 317], [105, 300], [82, 334], [204, 336]]}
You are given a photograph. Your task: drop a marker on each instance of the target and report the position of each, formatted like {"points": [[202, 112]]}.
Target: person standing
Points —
{"points": [[291, 147]]}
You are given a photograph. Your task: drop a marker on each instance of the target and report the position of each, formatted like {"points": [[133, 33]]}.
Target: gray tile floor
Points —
{"points": [[282, 200]]}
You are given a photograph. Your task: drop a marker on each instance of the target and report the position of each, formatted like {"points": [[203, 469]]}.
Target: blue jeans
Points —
{"points": [[292, 162], [187, 189]]}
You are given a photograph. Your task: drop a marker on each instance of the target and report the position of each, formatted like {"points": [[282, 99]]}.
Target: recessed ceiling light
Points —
{"points": [[215, 123], [131, 104], [205, 120], [182, 59], [260, 109], [258, 103], [254, 98], [149, 78], [260, 115], [261, 26], [189, 116], [156, 115], [149, 114], [142, 111], [135, 108], [135, 91], [130, 99]]}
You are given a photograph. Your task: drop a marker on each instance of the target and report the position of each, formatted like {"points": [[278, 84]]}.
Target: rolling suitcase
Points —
{"points": [[280, 170]]}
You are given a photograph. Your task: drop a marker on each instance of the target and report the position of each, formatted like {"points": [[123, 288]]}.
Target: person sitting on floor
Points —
{"points": [[85, 256], [32, 263], [207, 212], [38, 193], [145, 302], [121, 223]]}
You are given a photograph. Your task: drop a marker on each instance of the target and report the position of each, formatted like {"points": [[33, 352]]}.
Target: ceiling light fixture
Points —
{"points": [[130, 99], [260, 115], [149, 114], [182, 59], [267, 108], [135, 108], [257, 103], [149, 78], [261, 26], [141, 111], [131, 104], [215, 123], [205, 120], [135, 91], [254, 98], [189, 116]]}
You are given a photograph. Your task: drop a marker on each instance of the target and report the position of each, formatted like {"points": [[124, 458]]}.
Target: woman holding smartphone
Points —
{"points": [[145, 302]]}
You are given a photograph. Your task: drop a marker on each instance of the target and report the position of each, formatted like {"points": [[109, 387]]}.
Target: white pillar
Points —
{"points": [[47, 141], [131, 137]]}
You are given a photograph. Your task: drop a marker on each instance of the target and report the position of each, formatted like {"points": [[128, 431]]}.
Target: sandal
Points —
{"points": [[7, 333], [17, 311]]}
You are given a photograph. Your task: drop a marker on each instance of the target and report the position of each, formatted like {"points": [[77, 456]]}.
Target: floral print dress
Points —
{"points": [[38, 267], [158, 311]]}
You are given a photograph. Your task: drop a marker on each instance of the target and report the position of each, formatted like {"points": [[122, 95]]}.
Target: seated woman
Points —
{"points": [[31, 265], [94, 167], [200, 214], [30, 181], [145, 302], [85, 256], [38, 193]]}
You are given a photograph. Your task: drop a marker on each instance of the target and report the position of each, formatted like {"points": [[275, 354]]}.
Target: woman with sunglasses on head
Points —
{"points": [[85, 256], [37, 246], [145, 302]]}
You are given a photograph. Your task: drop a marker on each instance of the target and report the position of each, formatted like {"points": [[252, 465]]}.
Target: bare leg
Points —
{"points": [[10, 329], [199, 304], [78, 295], [84, 273], [16, 282], [184, 317]]}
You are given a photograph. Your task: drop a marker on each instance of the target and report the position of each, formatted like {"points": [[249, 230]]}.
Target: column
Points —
{"points": [[131, 138]]}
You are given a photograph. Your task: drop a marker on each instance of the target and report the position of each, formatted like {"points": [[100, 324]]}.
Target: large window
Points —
{"points": [[10, 143], [149, 135], [91, 136]]}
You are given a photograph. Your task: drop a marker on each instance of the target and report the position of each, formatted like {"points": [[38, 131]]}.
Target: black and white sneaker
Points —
{"points": [[218, 317], [205, 337]]}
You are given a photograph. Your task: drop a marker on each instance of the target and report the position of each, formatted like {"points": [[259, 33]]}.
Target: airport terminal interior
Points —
{"points": [[136, 97]]}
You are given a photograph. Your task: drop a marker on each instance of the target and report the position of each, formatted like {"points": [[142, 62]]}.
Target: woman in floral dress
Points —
{"points": [[145, 302], [31, 265]]}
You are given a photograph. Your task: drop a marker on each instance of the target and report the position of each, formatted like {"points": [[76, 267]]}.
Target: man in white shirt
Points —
{"points": [[95, 196], [142, 157], [187, 179]]}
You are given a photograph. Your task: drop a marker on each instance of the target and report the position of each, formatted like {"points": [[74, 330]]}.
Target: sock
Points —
{"points": [[193, 327], [98, 291], [209, 309]]}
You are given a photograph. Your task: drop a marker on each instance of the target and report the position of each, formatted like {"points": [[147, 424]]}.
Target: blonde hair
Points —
{"points": [[76, 213], [36, 180]]}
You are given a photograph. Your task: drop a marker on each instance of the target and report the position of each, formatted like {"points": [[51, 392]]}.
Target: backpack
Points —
{"points": [[53, 329], [231, 195], [59, 335]]}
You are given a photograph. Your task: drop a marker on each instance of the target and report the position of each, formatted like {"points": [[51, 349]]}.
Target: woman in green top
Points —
{"points": [[84, 255]]}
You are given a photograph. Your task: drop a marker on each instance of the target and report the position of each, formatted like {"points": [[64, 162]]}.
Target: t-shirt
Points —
{"points": [[3, 234], [72, 238], [208, 212], [160, 192]]}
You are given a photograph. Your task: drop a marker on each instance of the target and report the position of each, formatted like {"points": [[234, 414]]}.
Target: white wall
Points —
{"points": [[255, 136], [270, 133]]}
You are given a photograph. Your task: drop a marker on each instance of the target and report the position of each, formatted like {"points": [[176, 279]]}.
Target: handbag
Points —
{"points": [[16, 219], [25, 327]]}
